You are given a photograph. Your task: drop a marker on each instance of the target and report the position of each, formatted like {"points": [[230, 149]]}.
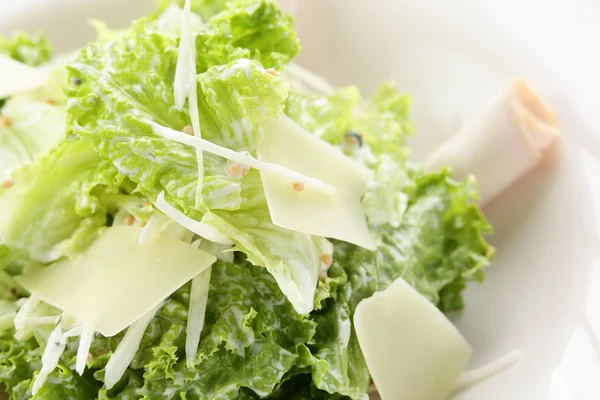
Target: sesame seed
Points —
{"points": [[298, 186], [326, 259], [141, 224], [50, 101], [5, 121], [8, 182], [188, 129], [273, 72], [130, 220]]}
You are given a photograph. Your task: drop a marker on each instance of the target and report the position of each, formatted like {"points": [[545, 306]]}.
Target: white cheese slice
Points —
{"points": [[197, 312], [412, 350], [117, 280], [301, 208], [18, 77]]}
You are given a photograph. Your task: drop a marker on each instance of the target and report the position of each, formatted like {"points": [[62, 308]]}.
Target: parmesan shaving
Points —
{"points": [[203, 230], [475, 376], [85, 342], [57, 342], [105, 287], [121, 358], [196, 314], [412, 350], [185, 85]]}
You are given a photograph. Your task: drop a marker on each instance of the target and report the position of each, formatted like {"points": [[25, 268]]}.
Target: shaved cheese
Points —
{"points": [[475, 376], [241, 158], [299, 208], [206, 231], [85, 342], [222, 252], [185, 70], [169, 22], [25, 311], [55, 346], [412, 350], [502, 143], [196, 314], [106, 288], [161, 224], [128, 346], [18, 77], [185, 85]]}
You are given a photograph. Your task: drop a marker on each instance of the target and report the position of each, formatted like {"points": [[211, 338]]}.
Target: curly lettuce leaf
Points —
{"points": [[30, 127], [19, 361], [32, 50], [61, 214], [116, 95], [328, 117], [438, 246], [383, 122]]}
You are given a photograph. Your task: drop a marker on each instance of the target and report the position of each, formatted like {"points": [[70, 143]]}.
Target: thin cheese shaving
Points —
{"points": [[412, 350], [206, 231], [196, 314], [121, 358], [241, 158], [54, 348], [26, 309], [475, 376], [297, 207], [85, 342], [185, 85], [113, 269]]}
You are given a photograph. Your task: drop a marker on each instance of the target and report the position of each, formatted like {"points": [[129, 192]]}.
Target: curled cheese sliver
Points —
{"points": [[503, 143]]}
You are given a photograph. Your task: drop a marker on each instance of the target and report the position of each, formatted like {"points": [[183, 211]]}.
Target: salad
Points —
{"points": [[187, 214]]}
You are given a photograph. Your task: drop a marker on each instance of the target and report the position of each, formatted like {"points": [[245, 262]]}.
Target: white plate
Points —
{"points": [[542, 294]]}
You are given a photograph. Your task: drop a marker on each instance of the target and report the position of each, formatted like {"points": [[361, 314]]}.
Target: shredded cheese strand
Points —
{"points": [[200, 229], [242, 158], [475, 376], [85, 342], [54, 349], [121, 358], [196, 314]]}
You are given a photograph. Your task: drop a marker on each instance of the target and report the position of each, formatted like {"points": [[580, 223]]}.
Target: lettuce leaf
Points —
{"points": [[32, 50], [61, 215], [31, 127], [116, 96], [328, 117], [19, 360], [429, 228], [438, 246]]}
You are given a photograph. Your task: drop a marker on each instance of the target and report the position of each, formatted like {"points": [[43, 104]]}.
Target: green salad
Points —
{"points": [[186, 214]]}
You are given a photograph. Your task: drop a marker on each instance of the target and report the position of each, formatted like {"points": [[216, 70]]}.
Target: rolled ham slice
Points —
{"points": [[500, 145]]}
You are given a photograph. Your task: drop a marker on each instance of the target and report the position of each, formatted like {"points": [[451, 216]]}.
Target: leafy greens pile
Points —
{"points": [[77, 163]]}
